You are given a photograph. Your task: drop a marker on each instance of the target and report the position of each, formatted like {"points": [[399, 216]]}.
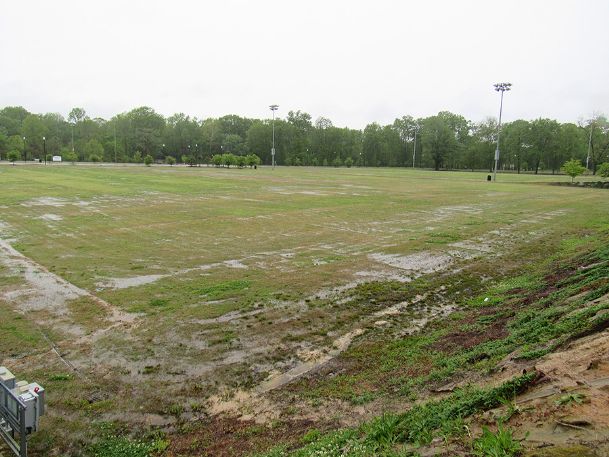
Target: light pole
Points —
{"points": [[273, 109], [414, 149], [24, 152], [44, 148], [589, 145], [499, 87]]}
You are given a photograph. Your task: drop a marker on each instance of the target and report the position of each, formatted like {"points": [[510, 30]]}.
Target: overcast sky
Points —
{"points": [[352, 61]]}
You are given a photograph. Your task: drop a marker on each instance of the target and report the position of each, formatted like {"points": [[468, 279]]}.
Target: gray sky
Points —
{"points": [[352, 61]]}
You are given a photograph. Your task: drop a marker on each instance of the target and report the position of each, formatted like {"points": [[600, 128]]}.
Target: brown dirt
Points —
{"points": [[230, 437]]}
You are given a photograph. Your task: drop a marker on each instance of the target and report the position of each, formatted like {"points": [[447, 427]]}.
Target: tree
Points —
{"points": [[34, 129], [438, 140], [93, 148], [573, 168], [544, 137], [170, 160], [69, 156], [229, 159], [241, 161], [13, 156], [216, 160], [148, 160], [348, 162], [603, 169], [252, 160]]}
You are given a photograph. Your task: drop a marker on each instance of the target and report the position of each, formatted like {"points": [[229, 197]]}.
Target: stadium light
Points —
{"points": [[499, 87], [273, 109]]}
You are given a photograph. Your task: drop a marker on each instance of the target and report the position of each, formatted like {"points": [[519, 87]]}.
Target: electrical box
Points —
{"points": [[7, 378], [32, 395]]}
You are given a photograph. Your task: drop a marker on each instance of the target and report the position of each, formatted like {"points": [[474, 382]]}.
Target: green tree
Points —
{"points": [[229, 159], [603, 169], [170, 160], [438, 140], [33, 130], [216, 160], [13, 156], [573, 168], [93, 148], [69, 156], [252, 160], [148, 160]]}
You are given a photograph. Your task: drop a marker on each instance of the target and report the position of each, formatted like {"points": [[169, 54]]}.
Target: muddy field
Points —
{"points": [[173, 304]]}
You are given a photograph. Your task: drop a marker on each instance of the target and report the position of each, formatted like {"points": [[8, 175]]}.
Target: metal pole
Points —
{"points": [[500, 87], [114, 141], [589, 146], [72, 137], [24, 152], [273, 109], [44, 148], [414, 149]]}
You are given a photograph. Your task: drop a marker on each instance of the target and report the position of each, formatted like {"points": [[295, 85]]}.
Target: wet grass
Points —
{"points": [[298, 232]]}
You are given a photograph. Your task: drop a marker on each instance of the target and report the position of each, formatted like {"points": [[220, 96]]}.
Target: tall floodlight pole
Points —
{"points": [[414, 149], [24, 153], [44, 148], [499, 87], [589, 145], [273, 109]]}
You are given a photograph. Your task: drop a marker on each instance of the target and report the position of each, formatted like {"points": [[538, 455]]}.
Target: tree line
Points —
{"points": [[443, 141]]}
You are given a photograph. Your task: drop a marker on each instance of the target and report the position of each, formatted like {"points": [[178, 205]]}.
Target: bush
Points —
{"points": [[573, 168], [252, 160], [216, 160], [94, 158], [348, 162], [137, 157], [13, 156], [68, 156], [148, 160], [603, 170], [170, 160]]}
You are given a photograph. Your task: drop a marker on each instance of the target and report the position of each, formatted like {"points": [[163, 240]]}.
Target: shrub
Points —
{"points": [[148, 160], [94, 158], [573, 168], [170, 160], [13, 156], [603, 170]]}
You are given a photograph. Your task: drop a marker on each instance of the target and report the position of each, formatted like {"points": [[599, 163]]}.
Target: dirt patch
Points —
{"points": [[229, 437]]}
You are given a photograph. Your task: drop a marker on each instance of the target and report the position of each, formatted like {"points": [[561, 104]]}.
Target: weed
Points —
{"points": [[499, 444], [570, 398]]}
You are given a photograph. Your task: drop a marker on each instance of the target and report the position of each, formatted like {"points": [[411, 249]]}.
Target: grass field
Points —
{"points": [[155, 296]]}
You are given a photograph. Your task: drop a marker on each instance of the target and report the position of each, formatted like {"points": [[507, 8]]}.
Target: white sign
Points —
{"points": [[56, 158]]}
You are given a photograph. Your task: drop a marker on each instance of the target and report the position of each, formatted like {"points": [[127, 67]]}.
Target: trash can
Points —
{"points": [[488, 178]]}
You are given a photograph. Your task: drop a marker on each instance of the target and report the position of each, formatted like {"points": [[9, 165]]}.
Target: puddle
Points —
{"points": [[421, 262], [51, 217], [124, 283]]}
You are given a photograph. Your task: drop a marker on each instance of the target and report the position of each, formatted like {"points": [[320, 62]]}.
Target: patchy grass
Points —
{"points": [[255, 251]]}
